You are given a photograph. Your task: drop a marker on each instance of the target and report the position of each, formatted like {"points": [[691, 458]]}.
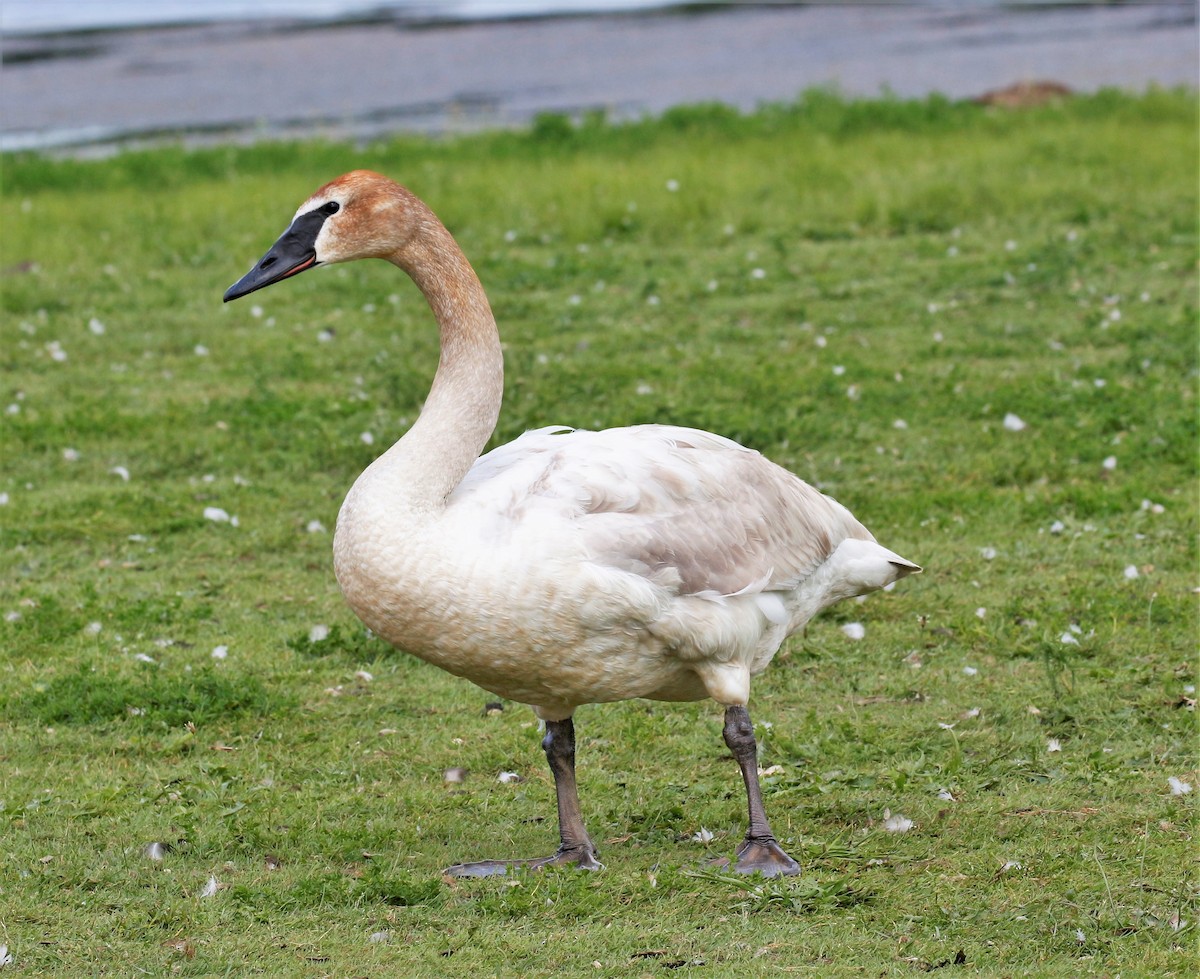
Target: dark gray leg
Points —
{"points": [[575, 847], [759, 853]]}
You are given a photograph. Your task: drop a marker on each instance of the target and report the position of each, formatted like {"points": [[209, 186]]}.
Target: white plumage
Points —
{"points": [[568, 567]]}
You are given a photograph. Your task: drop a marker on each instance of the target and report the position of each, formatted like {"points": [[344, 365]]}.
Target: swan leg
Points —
{"points": [[759, 852], [575, 848]]}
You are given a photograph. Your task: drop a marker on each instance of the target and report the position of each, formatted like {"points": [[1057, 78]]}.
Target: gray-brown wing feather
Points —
{"points": [[691, 511]]}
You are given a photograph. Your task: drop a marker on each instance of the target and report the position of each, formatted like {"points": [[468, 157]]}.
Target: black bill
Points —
{"points": [[294, 252]]}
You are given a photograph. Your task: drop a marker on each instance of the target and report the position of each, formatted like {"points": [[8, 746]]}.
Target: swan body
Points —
{"points": [[568, 567], [573, 567]]}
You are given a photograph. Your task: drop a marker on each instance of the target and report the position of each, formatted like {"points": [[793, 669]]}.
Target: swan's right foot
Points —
{"points": [[764, 857], [582, 858]]}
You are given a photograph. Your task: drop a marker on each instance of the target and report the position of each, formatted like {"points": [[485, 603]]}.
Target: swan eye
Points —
{"points": [[331, 208]]}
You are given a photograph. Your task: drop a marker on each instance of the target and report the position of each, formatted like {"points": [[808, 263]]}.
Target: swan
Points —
{"points": [[568, 567]]}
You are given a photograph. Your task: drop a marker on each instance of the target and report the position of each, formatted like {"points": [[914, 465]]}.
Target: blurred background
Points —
{"points": [[85, 76]]}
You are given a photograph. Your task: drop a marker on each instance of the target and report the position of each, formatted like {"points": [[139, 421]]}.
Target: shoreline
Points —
{"points": [[97, 92]]}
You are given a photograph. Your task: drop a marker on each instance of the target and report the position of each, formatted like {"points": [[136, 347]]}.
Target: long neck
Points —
{"points": [[463, 404]]}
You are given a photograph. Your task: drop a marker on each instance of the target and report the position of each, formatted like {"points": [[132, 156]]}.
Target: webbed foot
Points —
{"points": [[575, 847], [582, 858], [759, 852], [764, 857]]}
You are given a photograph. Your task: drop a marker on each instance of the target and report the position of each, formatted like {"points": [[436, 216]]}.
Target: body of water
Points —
{"points": [[49, 16], [242, 70], [44, 16]]}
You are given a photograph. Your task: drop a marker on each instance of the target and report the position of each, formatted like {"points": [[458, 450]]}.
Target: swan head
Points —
{"points": [[361, 214]]}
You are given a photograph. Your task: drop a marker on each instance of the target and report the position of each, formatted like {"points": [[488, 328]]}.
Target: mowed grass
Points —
{"points": [[876, 294]]}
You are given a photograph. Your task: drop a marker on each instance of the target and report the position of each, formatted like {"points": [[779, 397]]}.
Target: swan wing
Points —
{"points": [[692, 512]]}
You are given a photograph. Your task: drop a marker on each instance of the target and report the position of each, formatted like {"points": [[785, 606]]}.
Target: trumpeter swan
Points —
{"points": [[568, 567]]}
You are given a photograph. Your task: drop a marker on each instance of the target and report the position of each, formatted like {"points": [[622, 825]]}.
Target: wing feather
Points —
{"points": [[690, 511]]}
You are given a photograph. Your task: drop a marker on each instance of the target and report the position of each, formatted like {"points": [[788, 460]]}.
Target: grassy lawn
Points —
{"points": [[976, 329]]}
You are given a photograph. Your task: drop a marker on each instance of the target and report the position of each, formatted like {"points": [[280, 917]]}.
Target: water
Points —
{"points": [[33, 16], [237, 81], [28, 16]]}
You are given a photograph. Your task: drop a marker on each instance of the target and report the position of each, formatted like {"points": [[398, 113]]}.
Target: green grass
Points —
{"points": [[945, 264]]}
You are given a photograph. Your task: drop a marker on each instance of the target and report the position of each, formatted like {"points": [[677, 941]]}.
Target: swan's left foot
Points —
{"points": [[575, 848], [766, 858], [581, 858]]}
